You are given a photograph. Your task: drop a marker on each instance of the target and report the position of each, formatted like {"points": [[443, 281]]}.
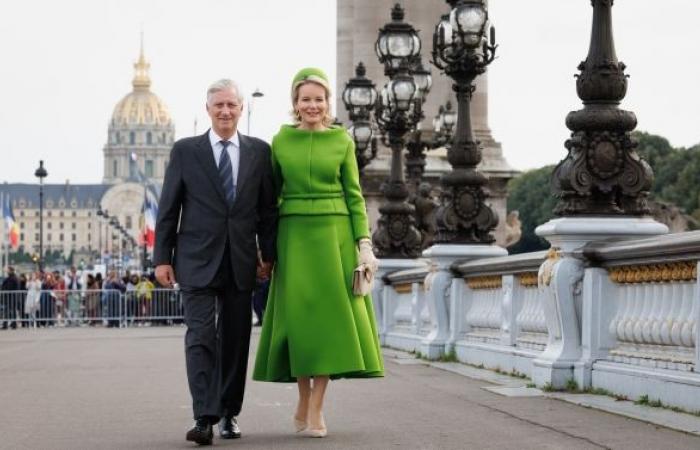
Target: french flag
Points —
{"points": [[150, 212]]}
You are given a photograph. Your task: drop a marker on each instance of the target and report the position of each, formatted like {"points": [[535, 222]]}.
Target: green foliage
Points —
{"points": [[642, 400], [571, 385], [449, 357], [530, 194]]}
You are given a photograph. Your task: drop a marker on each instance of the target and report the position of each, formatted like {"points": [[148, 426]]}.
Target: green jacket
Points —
{"points": [[316, 174]]}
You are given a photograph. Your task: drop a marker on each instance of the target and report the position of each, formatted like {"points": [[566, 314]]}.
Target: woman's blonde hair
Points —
{"points": [[328, 119]]}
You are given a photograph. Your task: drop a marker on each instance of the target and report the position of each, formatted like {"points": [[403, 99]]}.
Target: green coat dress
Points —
{"points": [[313, 323]]}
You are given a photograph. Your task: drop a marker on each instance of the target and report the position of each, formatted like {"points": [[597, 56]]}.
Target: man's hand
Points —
{"points": [[264, 270], [165, 275]]}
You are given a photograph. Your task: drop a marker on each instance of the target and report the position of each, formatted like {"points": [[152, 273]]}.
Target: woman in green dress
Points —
{"points": [[315, 328]]}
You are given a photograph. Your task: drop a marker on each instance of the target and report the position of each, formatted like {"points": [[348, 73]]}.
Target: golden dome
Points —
{"points": [[141, 106]]}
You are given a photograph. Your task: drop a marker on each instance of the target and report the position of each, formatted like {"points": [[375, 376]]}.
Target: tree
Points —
{"points": [[531, 195]]}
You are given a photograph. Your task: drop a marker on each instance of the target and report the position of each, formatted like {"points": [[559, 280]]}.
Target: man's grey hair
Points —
{"points": [[224, 85]]}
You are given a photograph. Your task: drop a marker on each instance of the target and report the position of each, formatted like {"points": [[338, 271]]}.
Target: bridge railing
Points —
{"points": [[622, 316]]}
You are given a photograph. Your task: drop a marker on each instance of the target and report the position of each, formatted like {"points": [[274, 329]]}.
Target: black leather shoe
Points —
{"points": [[229, 429], [202, 432]]}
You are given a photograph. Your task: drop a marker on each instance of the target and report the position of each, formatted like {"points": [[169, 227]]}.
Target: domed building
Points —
{"points": [[140, 125], [140, 134]]}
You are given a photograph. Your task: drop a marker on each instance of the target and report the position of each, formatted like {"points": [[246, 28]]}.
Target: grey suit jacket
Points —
{"points": [[195, 220]]}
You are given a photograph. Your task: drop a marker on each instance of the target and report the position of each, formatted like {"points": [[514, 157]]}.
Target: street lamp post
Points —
{"points": [[396, 114], [360, 97], [41, 173], [256, 94], [460, 49], [602, 173]]}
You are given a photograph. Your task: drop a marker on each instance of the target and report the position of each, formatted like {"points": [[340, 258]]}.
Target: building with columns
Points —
{"points": [[140, 134], [358, 25]]}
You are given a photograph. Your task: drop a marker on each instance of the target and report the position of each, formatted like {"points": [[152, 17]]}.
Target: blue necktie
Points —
{"points": [[226, 173]]}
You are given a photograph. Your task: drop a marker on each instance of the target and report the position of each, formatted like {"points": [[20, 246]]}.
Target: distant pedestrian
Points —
{"points": [[9, 302], [73, 287], [32, 301]]}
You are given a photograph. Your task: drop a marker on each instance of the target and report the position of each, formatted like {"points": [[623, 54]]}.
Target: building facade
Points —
{"points": [[140, 134]]}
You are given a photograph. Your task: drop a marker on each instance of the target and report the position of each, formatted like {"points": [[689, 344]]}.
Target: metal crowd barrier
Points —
{"points": [[103, 307]]}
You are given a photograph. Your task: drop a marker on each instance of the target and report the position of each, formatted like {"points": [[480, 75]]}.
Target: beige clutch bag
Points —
{"points": [[362, 279]]}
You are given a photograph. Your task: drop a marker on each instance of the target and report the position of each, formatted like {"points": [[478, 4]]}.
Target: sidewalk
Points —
{"points": [[126, 388]]}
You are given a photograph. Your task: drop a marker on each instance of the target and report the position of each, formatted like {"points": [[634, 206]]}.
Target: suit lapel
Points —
{"points": [[205, 156], [245, 162]]}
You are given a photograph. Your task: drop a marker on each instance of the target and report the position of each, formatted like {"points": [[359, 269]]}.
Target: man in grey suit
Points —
{"points": [[217, 198]]}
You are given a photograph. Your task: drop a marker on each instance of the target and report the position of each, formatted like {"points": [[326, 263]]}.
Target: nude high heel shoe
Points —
{"points": [[299, 425], [317, 432]]}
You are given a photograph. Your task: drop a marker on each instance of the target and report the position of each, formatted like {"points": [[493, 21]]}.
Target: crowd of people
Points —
{"points": [[50, 298]]}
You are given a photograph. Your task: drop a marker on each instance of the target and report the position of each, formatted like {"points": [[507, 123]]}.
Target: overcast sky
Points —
{"points": [[66, 64]]}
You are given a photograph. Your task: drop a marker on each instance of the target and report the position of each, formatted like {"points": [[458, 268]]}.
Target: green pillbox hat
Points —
{"points": [[311, 74]]}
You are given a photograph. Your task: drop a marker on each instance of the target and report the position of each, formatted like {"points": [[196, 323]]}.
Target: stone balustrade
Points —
{"points": [[631, 328]]}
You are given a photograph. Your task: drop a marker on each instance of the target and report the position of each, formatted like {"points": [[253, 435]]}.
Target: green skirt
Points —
{"points": [[313, 324]]}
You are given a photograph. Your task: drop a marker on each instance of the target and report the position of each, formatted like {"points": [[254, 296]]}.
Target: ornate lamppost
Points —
{"points": [[254, 95], [41, 173], [397, 45], [602, 173], [461, 51], [415, 157], [360, 97]]}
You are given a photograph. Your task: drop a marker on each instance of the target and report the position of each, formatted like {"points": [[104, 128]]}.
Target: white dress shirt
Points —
{"points": [[234, 152]]}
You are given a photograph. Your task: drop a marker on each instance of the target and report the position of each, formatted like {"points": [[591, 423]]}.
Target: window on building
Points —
{"points": [[163, 141], [60, 214], [36, 213], [165, 166], [60, 225], [128, 222], [72, 237], [149, 167], [48, 225], [21, 237], [149, 138], [48, 213], [89, 225], [89, 213], [21, 213], [114, 168], [48, 237], [89, 237], [21, 225], [36, 237], [36, 225], [74, 214], [73, 226], [132, 138]]}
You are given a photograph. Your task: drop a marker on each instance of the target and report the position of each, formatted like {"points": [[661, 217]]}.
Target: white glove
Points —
{"points": [[367, 255]]}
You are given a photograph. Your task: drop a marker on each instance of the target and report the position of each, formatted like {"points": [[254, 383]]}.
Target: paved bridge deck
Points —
{"points": [[116, 389]]}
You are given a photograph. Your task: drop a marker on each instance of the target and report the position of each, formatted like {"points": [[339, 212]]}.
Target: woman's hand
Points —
{"points": [[367, 255]]}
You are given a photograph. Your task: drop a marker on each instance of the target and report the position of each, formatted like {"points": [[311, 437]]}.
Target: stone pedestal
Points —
{"points": [[442, 256], [383, 307], [560, 278]]}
